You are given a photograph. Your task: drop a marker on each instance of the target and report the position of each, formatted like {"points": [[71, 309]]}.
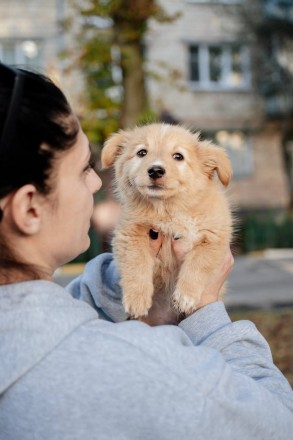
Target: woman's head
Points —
{"points": [[40, 124], [46, 185]]}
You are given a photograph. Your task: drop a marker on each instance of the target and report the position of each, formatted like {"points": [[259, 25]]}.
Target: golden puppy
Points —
{"points": [[165, 179]]}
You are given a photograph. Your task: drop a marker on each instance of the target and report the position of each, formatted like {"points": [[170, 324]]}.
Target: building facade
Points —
{"points": [[201, 74], [207, 69], [32, 34]]}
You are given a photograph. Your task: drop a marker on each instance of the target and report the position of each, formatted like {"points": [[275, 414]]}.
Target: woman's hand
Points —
{"points": [[161, 311], [213, 288]]}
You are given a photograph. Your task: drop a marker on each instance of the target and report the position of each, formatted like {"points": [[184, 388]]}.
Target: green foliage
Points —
{"points": [[104, 24], [148, 116], [132, 15], [93, 57], [269, 25], [260, 232]]}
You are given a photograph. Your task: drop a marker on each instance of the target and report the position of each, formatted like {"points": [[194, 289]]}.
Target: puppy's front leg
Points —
{"points": [[199, 265], [135, 265]]}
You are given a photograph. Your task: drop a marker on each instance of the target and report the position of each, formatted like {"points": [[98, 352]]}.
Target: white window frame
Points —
{"points": [[205, 83]]}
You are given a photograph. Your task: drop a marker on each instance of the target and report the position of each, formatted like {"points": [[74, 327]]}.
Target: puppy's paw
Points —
{"points": [[138, 304], [185, 300]]}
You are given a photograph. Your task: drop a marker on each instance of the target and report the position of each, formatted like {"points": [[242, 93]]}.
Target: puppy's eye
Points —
{"points": [[142, 153], [178, 156]]}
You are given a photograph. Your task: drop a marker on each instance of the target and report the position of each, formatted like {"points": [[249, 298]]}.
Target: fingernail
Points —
{"points": [[153, 234]]}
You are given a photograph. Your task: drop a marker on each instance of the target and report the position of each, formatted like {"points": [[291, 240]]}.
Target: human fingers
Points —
{"points": [[216, 282], [180, 248]]}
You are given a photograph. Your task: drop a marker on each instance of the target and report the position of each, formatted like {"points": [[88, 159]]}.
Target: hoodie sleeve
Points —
{"points": [[242, 346], [99, 287]]}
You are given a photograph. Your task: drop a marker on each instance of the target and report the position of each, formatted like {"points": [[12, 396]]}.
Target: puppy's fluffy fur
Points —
{"points": [[165, 179]]}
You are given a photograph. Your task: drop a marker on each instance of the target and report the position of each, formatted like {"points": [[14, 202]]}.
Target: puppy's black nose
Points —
{"points": [[156, 172]]}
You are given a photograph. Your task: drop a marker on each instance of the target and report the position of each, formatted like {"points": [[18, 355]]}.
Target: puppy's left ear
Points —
{"points": [[112, 148], [215, 159]]}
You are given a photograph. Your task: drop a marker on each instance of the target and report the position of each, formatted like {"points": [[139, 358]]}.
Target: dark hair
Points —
{"points": [[36, 122], [43, 117]]}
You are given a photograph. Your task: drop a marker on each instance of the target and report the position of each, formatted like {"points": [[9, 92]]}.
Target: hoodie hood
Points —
{"points": [[35, 316]]}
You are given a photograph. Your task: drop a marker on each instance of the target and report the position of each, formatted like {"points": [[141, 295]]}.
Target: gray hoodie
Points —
{"points": [[72, 367]]}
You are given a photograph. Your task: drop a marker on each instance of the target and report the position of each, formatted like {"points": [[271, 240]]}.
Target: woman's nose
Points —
{"points": [[95, 182]]}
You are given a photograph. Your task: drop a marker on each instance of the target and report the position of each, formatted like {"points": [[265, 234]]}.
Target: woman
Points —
{"points": [[72, 366]]}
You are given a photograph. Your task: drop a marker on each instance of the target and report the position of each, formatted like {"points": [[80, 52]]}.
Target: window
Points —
{"points": [[238, 146], [219, 66], [22, 52]]}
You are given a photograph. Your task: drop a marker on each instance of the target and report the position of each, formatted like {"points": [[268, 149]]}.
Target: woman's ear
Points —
{"points": [[111, 148], [26, 208]]}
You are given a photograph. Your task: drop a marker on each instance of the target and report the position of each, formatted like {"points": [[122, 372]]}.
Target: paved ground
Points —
{"points": [[257, 281], [262, 280]]}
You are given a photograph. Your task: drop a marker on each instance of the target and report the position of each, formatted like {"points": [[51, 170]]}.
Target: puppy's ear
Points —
{"points": [[215, 159], [112, 148]]}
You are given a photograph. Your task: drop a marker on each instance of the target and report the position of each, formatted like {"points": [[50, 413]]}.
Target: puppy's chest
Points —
{"points": [[194, 222], [177, 225], [171, 223]]}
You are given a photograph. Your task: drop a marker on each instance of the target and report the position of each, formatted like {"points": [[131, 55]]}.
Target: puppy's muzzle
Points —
{"points": [[156, 172]]}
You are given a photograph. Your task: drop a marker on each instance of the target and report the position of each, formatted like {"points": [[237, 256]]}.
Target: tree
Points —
{"points": [[111, 56], [269, 26]]}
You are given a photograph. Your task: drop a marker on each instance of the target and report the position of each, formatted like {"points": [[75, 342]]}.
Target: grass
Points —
{"points": [[277, 327]]}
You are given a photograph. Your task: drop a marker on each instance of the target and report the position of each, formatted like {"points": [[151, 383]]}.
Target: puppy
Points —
{"points": [[165, 177]]}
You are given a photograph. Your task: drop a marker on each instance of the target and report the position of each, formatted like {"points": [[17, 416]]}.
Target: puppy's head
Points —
{"points": [[161, 161]]}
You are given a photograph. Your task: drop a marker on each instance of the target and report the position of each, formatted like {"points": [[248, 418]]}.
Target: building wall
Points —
{"points": [[41, 21], [168, 55], [26, 20], [266, 185]]}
